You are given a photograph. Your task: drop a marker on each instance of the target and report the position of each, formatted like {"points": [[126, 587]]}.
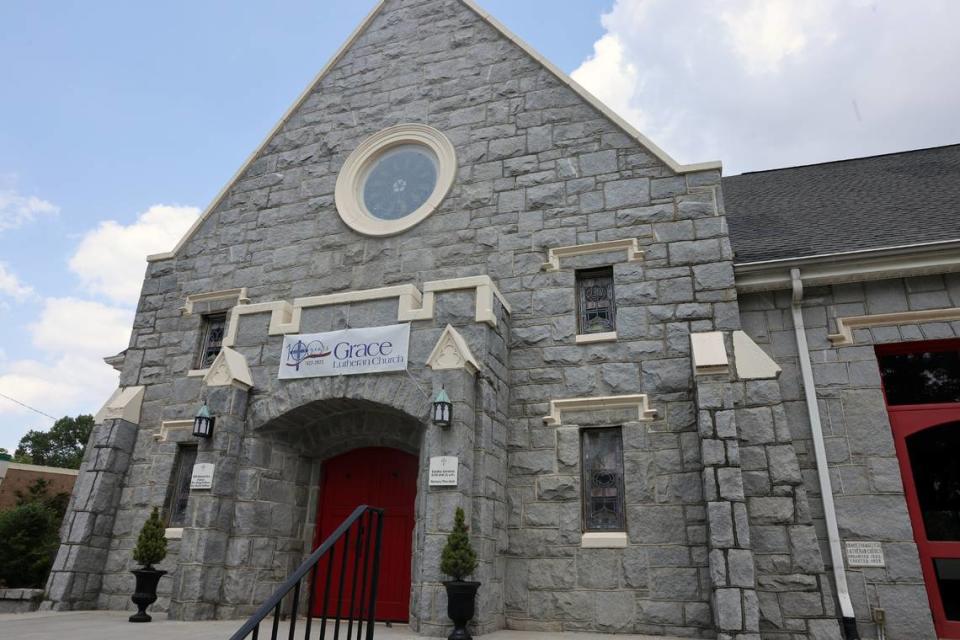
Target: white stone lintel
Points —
{"points": [[846, 326], [636, 401], [239, 295], [172, 425], [631, 245]]}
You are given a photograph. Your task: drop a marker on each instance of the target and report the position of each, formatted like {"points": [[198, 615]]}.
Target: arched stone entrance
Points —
{"points": [[352, 446]]}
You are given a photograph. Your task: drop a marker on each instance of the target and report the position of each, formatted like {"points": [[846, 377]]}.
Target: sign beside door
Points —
{"points": [[443, 471], [202, 476], [346, 352]]}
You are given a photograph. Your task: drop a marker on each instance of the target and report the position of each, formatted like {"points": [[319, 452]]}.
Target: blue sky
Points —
{"points": [[120, 120], [113, 107]]}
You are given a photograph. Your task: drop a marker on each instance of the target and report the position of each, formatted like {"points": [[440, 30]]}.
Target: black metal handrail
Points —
{"points": [[368, 522]]}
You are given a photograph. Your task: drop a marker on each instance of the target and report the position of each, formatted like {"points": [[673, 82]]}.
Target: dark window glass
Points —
{"points": [[596, 306], [180, 487], [921, 378], [936, 474], [602, 460], [213, 329], [948, 580]]}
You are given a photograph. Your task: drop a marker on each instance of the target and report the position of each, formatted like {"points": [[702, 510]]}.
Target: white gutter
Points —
{"points": [[823, 471], [851, 266]]}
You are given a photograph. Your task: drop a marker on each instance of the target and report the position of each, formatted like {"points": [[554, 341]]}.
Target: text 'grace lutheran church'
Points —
{"points": [[680, 404]]}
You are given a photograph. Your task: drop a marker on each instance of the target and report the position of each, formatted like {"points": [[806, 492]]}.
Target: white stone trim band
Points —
{"points": [[634, 253], [846, 326], [413, 305], [638, 401], [240, 295]]}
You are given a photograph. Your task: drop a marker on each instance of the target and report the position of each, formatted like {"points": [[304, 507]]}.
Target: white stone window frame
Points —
{"points": [[348, 194]]}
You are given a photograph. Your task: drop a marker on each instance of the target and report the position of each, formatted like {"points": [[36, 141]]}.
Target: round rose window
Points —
{"points": [[400, 181], [395, 179]]}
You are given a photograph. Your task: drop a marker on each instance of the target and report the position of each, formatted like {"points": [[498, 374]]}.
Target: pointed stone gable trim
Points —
{"points": [[230, 368], [674, 166], [452, 352]]}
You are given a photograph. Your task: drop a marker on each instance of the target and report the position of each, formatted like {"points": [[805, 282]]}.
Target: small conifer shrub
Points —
{"points": [[152, 544], [459, 559]]}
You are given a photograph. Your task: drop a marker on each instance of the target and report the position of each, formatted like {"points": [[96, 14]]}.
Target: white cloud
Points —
{"points": [[81, 327], [67, 386], [111, 259], [769, 83], [17, 209], [67, 376], [10, 285]]}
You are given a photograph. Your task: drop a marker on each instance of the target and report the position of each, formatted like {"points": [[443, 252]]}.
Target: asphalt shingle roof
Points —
{"points": [[865, 203]]}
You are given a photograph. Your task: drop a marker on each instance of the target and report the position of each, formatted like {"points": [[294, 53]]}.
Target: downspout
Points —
{"points": [[823, 472]]}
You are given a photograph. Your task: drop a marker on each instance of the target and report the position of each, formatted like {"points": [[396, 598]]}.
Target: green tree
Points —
{"points": [[152, 544], [458, 559], [39, 492], [62, 446], [28, 541]]}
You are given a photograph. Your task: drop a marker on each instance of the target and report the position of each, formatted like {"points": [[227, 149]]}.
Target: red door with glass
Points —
{"points": [[378, 477], [922, 387]]}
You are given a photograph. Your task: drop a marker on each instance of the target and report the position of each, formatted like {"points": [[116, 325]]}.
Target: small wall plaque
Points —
{"points": [[865, 554], [443, 471], [202, 477]]}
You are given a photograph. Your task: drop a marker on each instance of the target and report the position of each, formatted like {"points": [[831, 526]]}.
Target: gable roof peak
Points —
{"points": [[499, 27]]}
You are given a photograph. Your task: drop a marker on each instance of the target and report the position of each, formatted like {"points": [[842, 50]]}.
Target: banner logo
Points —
{"points": [[300, 351]]}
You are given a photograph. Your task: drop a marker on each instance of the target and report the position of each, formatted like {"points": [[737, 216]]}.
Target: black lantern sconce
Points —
{"points": [[203, 423], [442, 409]]}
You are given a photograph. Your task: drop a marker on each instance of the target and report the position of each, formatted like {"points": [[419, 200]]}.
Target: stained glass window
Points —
{"points": [[399, 182], [595, 301], [214, 327], [602, 466], [180, 488]]}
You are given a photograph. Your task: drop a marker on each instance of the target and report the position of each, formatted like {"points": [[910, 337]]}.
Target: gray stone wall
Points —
{"points": [[538, 168], [863, 465]]}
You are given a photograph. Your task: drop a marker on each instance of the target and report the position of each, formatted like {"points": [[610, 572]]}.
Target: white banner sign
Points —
{"points": [[345, 353], [443, 471], [202, 477]]}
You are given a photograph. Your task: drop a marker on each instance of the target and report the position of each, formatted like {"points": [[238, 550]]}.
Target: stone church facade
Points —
{"points": [[631, 422]]}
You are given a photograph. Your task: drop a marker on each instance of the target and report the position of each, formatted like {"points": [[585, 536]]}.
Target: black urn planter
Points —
{"points": [[461, 598], [145, 593]]}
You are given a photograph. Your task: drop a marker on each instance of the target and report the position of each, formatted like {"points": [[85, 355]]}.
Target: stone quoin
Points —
{"points": [[662, 423]]}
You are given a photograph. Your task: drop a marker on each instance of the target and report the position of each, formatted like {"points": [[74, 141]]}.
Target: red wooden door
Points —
{"points": [[378, 477], [922, 387]]}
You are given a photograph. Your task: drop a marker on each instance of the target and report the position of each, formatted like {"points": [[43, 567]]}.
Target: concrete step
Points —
{"points": [[113, 625]]}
